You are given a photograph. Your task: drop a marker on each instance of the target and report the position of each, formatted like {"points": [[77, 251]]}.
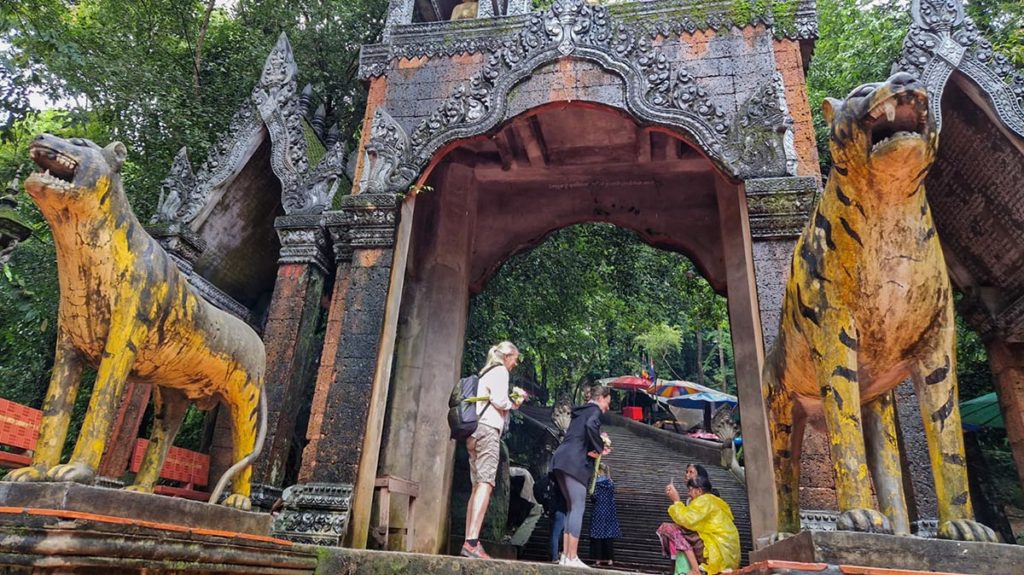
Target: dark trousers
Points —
{"points": [[602, 549]]}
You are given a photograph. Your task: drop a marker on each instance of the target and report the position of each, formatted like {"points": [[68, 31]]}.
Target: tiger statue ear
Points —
{"points": [[115, 153], [829, 107]]}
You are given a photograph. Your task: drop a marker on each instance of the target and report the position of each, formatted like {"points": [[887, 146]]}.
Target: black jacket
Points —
{"points": [[583, 435]]}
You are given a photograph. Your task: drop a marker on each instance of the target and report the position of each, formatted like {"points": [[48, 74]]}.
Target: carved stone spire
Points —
{"points": [[319, 118], [306, 98]]}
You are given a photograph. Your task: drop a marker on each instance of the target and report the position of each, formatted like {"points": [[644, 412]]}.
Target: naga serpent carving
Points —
{"points": [[126, 309], [869, 303]]}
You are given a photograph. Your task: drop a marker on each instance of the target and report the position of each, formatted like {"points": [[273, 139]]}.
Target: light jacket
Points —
{"points": [[712, 519]]}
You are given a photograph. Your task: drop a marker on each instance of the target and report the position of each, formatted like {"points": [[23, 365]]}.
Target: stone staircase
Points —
{"points": [[643, 461]]}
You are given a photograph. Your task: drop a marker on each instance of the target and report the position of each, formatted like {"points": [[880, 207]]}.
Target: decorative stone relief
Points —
{"points": [[657, 92], [275, 98], [303, 240], [370, 219], [315, 513], [761, 136], [406, 39], [779, 207], [225, 159], [316, 192], [340, 242], [177, 191], [942, 39], [384, 153]]}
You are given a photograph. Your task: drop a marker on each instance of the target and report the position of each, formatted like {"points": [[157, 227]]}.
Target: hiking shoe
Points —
{"points": [[474, 552]]}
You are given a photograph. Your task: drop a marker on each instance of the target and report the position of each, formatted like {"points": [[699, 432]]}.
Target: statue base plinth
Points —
{"points": [[138, 507], [892, 552], [65, 528]]}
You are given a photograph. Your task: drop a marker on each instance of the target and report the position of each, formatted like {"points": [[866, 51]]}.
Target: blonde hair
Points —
{"points": [[498, 353]]}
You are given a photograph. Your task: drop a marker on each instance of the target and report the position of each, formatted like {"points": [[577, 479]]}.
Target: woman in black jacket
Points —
{"points": [[573, 465]]}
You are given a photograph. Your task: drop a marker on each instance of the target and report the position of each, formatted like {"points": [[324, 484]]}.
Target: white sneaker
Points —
{"points": [[562, 559], [577, 562]]}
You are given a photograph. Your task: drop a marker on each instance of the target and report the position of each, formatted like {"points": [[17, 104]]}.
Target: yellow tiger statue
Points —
{"points": [[868, 304], [126, 309]]}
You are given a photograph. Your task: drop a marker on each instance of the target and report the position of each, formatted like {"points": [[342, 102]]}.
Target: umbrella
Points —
{"points": [[687, 394], [982, 412], [630, 382]]}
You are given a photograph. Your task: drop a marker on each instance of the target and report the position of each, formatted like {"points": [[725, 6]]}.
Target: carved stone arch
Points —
{"points": [[942, 39], [656, 92]]}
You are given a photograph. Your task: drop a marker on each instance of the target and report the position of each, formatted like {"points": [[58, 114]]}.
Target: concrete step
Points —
{"points": [[641, 467]]}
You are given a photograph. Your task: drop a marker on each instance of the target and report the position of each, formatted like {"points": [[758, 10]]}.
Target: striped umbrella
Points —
{"points": [[689, 395]]}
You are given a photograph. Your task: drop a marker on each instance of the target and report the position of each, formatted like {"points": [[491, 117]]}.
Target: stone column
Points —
{"points": [[339, 464], [748, 350], [429, 346], [290, 334], [760, 222], [1007, 361]]}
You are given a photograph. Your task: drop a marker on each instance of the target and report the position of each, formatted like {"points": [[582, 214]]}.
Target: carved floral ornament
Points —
{"points": [[942, 38], [276, 106], [657, 92]]}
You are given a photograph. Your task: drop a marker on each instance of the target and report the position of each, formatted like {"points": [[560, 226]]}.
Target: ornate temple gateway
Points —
{"points": [[488, 127]]}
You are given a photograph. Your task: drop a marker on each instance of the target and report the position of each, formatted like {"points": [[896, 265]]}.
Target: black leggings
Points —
{"points": [[575, 494]]}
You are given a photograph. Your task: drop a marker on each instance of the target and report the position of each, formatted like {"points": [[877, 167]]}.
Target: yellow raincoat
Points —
{"points": [[712, 519]]}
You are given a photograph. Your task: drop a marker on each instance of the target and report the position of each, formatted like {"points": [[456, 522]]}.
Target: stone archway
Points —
{"points": [[730, 87], [489, 197]]}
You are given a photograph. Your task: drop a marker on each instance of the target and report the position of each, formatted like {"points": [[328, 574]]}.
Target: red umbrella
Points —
{"points": [[629, 382]]}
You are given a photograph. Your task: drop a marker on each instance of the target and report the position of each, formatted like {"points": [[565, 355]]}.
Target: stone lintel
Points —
{"points": [[303, 240], [894, 552], [778, 208], [315, 513]]}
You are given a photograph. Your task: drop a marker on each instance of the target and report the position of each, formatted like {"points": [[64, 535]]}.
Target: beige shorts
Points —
{"points": [[484, 448]]}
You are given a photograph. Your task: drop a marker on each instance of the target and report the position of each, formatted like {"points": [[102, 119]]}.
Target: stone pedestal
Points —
{"points": [[290, 333], [71, 528], [892, 552]]}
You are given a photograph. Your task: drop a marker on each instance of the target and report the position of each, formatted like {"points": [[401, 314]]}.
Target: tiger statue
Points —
{"points": [[127, 310], [868, 304]]}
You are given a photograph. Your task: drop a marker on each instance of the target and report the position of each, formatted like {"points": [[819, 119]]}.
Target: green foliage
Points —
{"points": [[858, 42], [1002, 23], [155, 75], [576, 304], [659, 340]]}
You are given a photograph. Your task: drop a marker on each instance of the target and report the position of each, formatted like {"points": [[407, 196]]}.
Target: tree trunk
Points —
{"points": [[721, 358], [700, 358], [200, 40]]}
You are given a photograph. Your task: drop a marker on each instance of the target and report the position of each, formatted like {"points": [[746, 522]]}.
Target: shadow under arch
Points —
{"points": [[487, 197]]}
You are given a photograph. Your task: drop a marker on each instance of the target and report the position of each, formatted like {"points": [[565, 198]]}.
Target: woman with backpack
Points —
{"points": [[573, 465], [484, 446]]}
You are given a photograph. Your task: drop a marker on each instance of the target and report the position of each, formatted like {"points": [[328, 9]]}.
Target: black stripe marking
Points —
{"points": [[813, 262], [938, 375], [845, 373], [841, 170], [849, 230], [805, 311], [843, 197], [785, 453], [828, 389], [847, 340], [942, 414], [953, 458], [929, 234], [822, 223]]}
